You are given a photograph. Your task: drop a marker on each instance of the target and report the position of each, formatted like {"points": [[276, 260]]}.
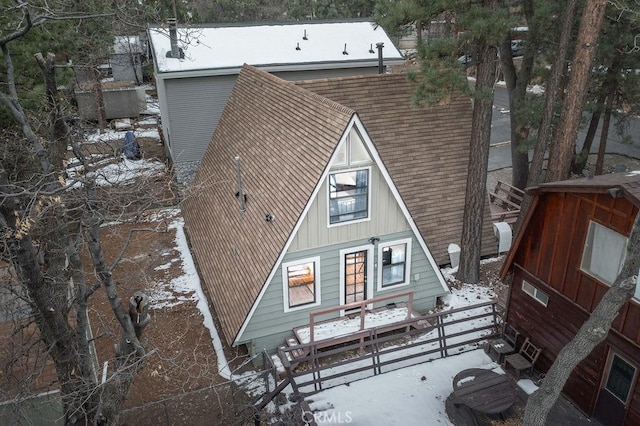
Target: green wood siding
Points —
{"points": [[270, 324]]}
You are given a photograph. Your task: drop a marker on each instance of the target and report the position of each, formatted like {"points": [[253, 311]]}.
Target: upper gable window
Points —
{"points": [[352, 152], [348, 196], [604, 252]]}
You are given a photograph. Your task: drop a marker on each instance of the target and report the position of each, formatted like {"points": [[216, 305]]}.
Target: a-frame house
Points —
{"points": [[298, 206]]}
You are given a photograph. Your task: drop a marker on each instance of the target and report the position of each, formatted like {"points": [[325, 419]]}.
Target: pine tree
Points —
{"points": [[480, 26]]}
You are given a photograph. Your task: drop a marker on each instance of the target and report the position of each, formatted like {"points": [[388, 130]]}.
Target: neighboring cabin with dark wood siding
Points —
{"points": [[569, 250]]}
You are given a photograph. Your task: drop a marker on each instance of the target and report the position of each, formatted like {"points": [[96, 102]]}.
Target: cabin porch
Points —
{"points": [[394, 312]]}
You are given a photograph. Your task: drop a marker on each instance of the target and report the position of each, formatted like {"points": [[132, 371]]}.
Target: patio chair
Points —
{"points": [[524, 360], [504, 345]]}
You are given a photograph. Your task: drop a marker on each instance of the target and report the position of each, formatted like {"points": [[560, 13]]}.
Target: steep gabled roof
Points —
{"points": [[425, 150], [285, 132], [626, 184]]}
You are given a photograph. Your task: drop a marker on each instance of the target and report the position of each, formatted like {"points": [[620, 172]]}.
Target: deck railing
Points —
{"points": [[378, 352], [362, 307]]}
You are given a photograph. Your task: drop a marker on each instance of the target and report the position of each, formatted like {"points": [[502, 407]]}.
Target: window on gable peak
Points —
{"points": [[353, 151], [348, 196]]}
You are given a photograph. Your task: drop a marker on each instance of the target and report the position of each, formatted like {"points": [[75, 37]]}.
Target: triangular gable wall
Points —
{"points": [[355, 122]]}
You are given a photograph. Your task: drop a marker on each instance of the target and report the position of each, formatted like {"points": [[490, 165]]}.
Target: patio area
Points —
{"points": [[408, 396], [563, 413]]}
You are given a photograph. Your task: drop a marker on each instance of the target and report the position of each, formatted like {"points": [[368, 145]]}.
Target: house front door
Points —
{"points": [[355, 279], [616, 389]]}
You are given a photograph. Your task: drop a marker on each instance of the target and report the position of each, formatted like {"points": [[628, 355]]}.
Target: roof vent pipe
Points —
{"points": [[380, 62], [173, 37], [240, 191]]}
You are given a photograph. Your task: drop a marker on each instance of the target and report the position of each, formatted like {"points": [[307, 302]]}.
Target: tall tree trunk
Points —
{"points": [[99, 101], [553, 94], [469, 270], [563, 149], [591, 334], [50, 307], [581, 158], [605, 132], [517, 89], [607, 90], [130, 352], [611, 85], [60, 132]]}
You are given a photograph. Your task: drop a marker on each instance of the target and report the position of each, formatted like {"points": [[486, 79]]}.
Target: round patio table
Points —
{"points": [[484, 391]]}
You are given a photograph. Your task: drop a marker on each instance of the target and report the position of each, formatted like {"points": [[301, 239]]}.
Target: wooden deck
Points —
{"points": [[504, 202], [396, 316]]}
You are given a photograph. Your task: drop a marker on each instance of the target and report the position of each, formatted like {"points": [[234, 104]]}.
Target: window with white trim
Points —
{"points": [[301, 281], [604, 252], [348, 196], [353, 151], [394, 263], [534, 292]]}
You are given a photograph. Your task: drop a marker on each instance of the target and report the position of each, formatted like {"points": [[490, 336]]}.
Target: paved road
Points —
{"points": [[500, 152]]}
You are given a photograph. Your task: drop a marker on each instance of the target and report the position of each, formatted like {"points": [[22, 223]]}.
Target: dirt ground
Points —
{"points": [[179, 382], [182, 360]]}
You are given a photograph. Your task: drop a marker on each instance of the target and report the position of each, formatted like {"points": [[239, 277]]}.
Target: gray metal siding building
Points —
{"points": [[193, 89]]}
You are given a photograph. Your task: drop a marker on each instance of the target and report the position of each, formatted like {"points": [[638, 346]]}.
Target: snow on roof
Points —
{"points": [[276, 45]]}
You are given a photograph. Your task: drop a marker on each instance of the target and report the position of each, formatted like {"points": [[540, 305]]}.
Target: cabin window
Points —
{"points": [[604, 252], [394, 260], [353, 151], [620, 379], [534, 292], [301, 284], [348, 196]]}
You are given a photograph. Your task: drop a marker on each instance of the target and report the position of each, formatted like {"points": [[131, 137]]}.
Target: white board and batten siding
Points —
{"points": [[386, 217]]}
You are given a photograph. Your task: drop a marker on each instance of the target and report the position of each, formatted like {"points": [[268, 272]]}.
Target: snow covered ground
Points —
{"points": [[409, 396], [413, 395]]}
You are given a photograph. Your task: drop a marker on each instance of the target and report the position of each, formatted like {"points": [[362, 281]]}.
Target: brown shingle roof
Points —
{"points": [[628, 182], [425, 150], [285, 138]]}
